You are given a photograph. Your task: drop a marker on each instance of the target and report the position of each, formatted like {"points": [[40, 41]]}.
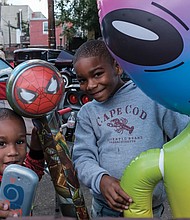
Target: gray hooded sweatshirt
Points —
{"points": [[112, 133]]}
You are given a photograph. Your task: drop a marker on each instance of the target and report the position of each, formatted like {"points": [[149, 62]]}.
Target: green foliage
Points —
{"points": [[83, 14]]}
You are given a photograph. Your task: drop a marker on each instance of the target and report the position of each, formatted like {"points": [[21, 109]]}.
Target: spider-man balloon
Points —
{"points": [[151, 41], [34, 88]]}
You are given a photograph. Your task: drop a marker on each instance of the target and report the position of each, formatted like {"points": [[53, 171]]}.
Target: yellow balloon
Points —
{"points": [[139, 180], [172, 163], [177, 173]]}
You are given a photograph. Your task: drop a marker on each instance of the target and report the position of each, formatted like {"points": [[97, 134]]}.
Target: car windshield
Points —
{"points": [[31, 55], [48, 55], [53, 54]]}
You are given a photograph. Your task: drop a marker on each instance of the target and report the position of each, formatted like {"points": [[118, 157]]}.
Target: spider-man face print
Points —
{"points": [[151, 42], [36, 89]]}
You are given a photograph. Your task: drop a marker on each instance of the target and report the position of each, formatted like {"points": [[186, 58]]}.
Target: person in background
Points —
{"points": [[120, 123], [13, 149]]}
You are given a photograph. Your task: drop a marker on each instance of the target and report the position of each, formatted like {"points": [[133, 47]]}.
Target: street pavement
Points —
{"points": [[45, 200]]}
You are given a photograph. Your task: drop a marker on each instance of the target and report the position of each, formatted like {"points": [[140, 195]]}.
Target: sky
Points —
{"points": [[35, 5]]}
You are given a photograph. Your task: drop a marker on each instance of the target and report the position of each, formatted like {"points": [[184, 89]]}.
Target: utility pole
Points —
{"points": [[51, 25], [20, 26], [9, 26]]}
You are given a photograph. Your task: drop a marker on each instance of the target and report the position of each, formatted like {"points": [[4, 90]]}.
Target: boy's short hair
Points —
{"points": [[93, 48], [6, 113]]}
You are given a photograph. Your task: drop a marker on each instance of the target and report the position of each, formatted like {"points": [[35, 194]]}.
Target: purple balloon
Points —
{"points": [[151, 42]]}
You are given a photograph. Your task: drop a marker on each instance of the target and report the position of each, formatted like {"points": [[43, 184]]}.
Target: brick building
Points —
{"points": [[39, 32]]}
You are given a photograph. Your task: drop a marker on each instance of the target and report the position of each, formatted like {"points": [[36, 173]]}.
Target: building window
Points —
{"points": [[45, 27]]}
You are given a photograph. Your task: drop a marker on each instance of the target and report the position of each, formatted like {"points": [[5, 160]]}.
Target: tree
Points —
{"points": [[83, 14]]}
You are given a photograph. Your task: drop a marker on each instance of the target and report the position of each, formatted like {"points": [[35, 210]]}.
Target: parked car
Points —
{"points": [[49, 55]]}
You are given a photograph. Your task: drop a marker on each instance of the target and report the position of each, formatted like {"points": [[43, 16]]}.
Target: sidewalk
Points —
{"points": [[45, 202]]}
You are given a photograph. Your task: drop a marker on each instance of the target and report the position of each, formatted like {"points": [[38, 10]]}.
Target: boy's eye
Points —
{"points": [[97, 74], [20, 142], [2, 144]]}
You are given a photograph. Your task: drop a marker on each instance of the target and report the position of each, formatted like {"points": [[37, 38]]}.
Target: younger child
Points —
{"points": [[13, 149], [119, 124]]}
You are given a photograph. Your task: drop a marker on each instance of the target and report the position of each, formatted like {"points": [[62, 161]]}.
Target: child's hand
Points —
{"points": [[35, 143], [116, 198], [5, 211]]}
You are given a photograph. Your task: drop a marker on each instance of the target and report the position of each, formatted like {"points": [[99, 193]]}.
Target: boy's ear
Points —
{"points": [[118, 68]]}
